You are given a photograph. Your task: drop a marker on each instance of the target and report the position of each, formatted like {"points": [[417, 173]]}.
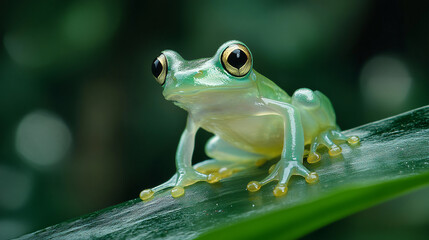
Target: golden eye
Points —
{"points": [[236, 59], [159, 69]]}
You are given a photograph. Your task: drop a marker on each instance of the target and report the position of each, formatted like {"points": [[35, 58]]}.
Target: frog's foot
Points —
{"points": [[183, 178], [330, 139], [281, 172], [220, 169]]}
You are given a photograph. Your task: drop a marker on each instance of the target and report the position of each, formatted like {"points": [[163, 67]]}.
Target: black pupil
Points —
{"points": [[156, 67], [237, 58]]}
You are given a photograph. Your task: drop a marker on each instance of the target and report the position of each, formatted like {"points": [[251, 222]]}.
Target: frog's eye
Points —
{"points": [[236, 59], [159, 69]]}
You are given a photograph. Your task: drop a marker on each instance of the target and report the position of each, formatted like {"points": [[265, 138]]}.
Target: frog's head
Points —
{"points": [[182, 80]]}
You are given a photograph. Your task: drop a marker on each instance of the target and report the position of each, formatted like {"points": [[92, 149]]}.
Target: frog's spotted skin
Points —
{"points": [[252, 118]]}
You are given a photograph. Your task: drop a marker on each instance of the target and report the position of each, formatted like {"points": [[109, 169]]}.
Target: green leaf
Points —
{"points": [[392, 159]]}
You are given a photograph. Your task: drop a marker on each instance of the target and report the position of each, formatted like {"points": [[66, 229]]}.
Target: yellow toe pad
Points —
{"points": [[312, 178], [313, 157], [146, 194], [280, 190], [253, 186], [353, 140], [177, 192], [335, 151]]}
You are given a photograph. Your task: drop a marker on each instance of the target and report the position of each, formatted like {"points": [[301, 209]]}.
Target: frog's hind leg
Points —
{"points": [[227, 159], [218, 168], [218, 148], [330, 139]]}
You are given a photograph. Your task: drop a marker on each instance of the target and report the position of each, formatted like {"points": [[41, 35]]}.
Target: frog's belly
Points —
{"points": [[257, 134]]}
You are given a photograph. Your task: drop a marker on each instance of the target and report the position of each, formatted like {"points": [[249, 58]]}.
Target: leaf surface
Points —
{"points": [[392, 159]]}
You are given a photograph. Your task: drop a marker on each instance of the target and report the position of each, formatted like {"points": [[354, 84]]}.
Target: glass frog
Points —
{"points": [[252, 119]]}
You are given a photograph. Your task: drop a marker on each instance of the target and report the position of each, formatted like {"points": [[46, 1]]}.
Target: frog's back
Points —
{"points": [[268, 89]]}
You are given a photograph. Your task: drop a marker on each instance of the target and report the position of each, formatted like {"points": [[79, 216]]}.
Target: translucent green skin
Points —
{"points": [[252, 119]]}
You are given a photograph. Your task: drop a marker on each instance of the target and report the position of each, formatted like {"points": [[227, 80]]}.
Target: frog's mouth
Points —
{"points": [[187, 95]]}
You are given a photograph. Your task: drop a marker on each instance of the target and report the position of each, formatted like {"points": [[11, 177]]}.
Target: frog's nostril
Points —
{"points": [[199, 74]]}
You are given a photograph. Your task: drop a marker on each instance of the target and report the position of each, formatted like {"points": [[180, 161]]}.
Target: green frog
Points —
{"points": [[252, 119]]}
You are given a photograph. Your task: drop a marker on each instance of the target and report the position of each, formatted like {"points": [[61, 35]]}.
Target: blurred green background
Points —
{"points": [[83, 124]]}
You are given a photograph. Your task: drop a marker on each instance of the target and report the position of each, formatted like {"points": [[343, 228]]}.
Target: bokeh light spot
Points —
{"points": [[42, 138], [26, 50], [386, 82], [12, 228]]}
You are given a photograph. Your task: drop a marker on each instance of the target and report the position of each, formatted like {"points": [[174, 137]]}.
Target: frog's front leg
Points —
{"points": [[293, 150], [186, 175]]}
